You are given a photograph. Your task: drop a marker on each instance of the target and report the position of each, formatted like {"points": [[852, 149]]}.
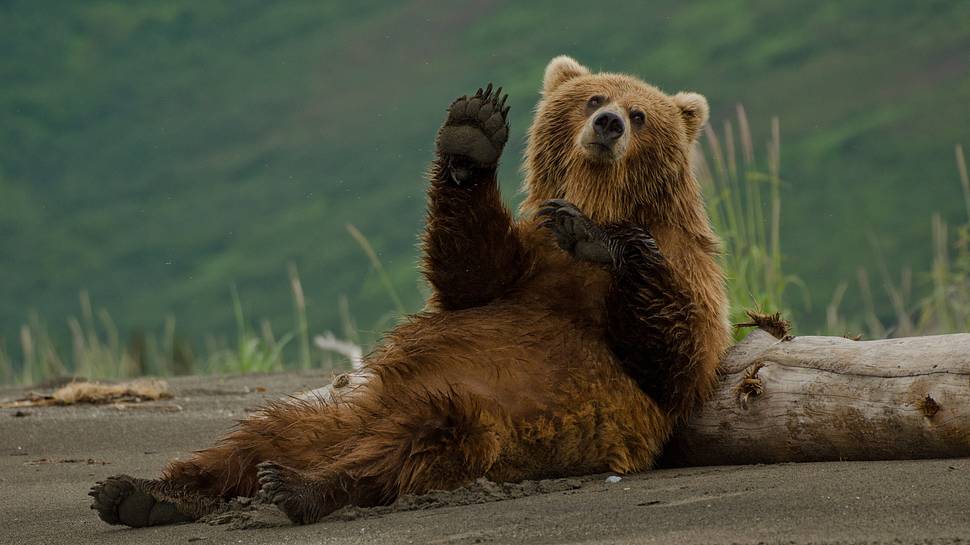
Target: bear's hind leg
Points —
{"points": [[293, 432], [438, 441], [125, 500], [188, 490]]}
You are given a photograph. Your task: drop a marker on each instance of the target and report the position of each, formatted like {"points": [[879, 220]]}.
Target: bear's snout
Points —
{"points": [[608, 127], [605, 135]]}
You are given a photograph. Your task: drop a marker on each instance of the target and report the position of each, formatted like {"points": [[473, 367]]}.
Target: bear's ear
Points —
{"points": [[694, 110], [562, 68]]}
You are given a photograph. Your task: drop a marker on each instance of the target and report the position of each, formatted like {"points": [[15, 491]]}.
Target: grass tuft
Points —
{"points": [[749, 227]]}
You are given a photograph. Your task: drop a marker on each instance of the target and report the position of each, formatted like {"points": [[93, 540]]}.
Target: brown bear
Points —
{"points": [[567, 342]]}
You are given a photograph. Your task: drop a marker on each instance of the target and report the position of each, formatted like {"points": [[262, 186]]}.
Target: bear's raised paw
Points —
{"points": [[475, 132]]}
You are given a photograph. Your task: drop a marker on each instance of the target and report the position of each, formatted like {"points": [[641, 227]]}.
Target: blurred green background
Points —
{"points": [[156, 153]]}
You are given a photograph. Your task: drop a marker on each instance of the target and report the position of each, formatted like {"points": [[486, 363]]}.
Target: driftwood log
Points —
{"points": [[811, 399], [830, 398]]}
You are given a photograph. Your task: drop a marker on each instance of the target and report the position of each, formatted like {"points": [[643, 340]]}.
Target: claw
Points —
{"points": [[488, 91], [501, 105], [497, 95]]}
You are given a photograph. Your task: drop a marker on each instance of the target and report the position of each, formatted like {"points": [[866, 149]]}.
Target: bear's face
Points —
{"points": [[609, 140]]}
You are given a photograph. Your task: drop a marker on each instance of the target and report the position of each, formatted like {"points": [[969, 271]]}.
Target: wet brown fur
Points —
{"points": [[526, 362]]}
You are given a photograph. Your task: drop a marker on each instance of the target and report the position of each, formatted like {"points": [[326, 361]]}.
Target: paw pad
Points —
{"points": [[477, 127], [123, 500]]}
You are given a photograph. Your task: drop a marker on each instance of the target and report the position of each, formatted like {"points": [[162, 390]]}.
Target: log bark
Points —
{"points": [[830, 398]]}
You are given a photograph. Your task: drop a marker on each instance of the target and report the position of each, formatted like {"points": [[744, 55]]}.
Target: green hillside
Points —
{"points": [[154, 153]]}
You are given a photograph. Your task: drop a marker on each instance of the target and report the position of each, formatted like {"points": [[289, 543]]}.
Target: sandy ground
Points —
{"points": [[50, 457]]}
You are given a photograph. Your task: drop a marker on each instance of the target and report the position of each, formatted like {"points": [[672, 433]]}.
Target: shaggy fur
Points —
{"points": [[568, 342]]}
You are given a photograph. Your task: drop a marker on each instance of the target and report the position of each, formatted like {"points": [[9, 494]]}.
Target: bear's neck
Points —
{"points": [[679, 206], [660, 205]]}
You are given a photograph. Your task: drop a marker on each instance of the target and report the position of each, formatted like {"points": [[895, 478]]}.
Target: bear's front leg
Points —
{"points": [[651, 317], [472, 250]]}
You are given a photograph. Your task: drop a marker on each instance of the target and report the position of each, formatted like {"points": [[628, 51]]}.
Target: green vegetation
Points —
{"points": [[155, 154], [940, 303], [748, 224], [749, 227], [99, 353]]}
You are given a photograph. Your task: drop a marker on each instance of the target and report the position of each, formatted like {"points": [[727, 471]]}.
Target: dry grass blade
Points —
{"points": [[299, 309], [378, 266], [964, 179]]}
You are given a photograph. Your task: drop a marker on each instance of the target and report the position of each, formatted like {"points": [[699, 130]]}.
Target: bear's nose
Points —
{"points": [[608, 126]]}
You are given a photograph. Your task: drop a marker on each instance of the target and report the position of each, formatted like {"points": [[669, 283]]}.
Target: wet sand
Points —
{"points": [[50, 457]]}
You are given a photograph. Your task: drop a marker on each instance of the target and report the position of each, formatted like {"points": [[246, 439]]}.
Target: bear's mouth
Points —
{"points": [[599, 151]]}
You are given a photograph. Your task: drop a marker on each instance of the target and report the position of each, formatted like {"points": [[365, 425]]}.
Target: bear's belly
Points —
{"points": [[552, 378], [520, 357]]}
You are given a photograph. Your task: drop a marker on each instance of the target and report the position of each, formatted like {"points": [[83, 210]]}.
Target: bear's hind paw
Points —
{"points": [[291, 492], [125, 500]]}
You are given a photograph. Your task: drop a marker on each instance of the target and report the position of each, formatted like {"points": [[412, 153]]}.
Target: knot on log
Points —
{"points": [[929, 406], [750, 386], [341, 381], [774, 324]]}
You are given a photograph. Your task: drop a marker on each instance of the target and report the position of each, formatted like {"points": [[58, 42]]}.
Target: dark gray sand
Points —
{"points": [[50, 457]]}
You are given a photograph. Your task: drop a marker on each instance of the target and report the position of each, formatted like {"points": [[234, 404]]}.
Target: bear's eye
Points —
{"points": [[595, 101], [637, 117]]}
